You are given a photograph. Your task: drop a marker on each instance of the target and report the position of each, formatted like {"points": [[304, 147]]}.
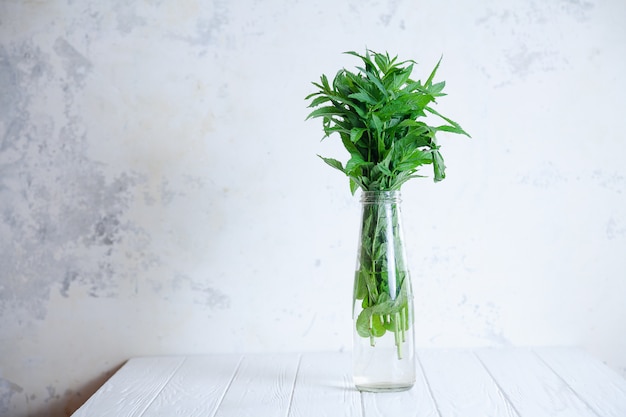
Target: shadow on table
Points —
{"points": [[67, 403]]}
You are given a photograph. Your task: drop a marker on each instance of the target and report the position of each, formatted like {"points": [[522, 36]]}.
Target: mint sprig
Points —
{"points": [[378, 112]]}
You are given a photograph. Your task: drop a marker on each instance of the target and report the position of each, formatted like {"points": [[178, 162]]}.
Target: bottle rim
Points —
{"points": [[381, 196]]}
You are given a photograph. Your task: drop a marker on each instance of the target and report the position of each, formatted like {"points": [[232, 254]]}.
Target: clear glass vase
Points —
{"points": [[383, 342]]}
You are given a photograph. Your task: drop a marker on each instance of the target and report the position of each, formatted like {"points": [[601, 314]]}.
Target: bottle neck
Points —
{"points": [[377, 197]]}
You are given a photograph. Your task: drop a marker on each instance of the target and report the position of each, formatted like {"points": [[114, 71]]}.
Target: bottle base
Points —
{"points": [[384, 387]]}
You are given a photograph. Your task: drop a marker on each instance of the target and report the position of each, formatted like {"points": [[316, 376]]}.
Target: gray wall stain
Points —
{"points": [[615, 229], [208, 27], [21, 66], [204, 294], [522, 61], [10, 91], [58, 212], [614, 182], [76, 66], [127, 17], [392, 8], [543, 175], [7, 390], [578, 9], [527, 35]]}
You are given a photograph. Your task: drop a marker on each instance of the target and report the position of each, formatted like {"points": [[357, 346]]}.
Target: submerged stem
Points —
{"points": [[399, 334]]}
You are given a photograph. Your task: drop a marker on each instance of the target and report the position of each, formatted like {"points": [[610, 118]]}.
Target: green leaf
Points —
{"points": [[355, 184], [374, 79], [333, 163], [438, 166], [376, 123], [325, 85], [451, 129], [363, 323], [378, 325], [450, 121], [360, 288], [413, 160], [381, 61], [363, 97], [324, 112], [355, 165], [319, 100], [436, 89], [432, 74], [400, 79], [356, 134]]}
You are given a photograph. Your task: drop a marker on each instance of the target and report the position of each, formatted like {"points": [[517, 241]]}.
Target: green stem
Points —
{"points": [[404, 323], [398, 334]]}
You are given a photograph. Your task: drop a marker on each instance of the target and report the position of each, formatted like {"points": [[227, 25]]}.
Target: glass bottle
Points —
{"points": [[383, 341]]}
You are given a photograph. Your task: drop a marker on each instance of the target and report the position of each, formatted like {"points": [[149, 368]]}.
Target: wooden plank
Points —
{"points": [[324, 387], [596, 384], [132, 389], [531, 386], [262, 387], [416, 402], [197, 387], [461, 386]]}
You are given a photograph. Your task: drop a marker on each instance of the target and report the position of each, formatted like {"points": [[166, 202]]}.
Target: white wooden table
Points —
{"points": [[464, 383]]}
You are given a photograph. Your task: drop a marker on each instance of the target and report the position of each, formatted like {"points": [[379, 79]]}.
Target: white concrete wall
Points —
{"points": [[160, 191]]}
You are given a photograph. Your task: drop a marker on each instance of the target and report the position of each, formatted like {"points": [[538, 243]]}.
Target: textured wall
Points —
{"points": [[160, 190]]}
